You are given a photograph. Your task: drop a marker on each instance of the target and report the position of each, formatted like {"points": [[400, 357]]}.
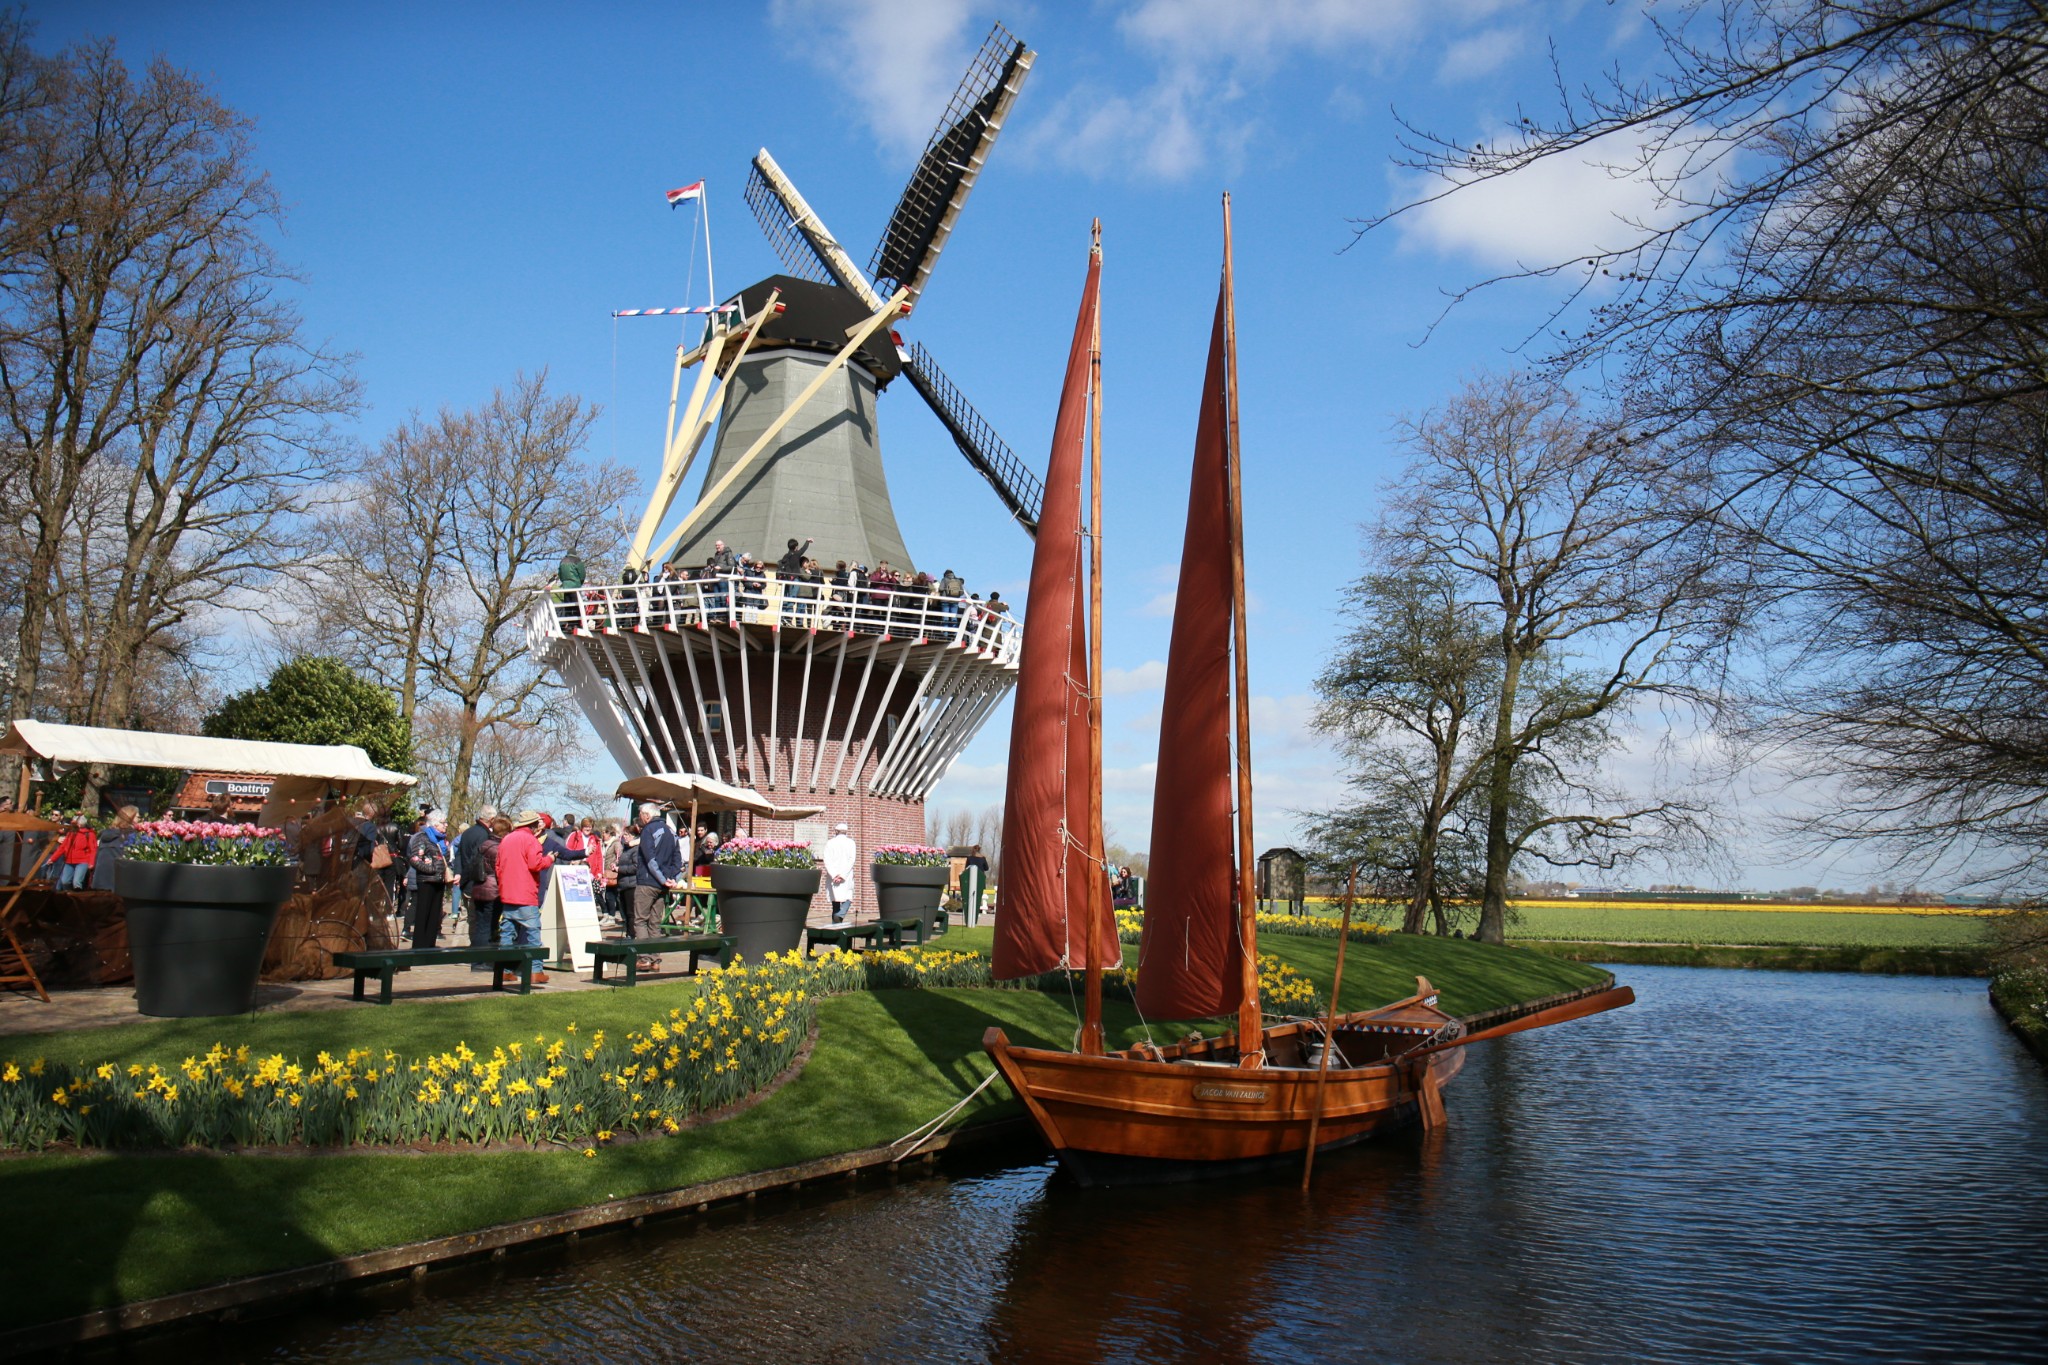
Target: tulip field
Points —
{"points": [[1859, 927]]}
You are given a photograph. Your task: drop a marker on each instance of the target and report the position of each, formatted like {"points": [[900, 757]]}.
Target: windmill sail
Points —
{"points": [[990, 455], [1190, 964], [951, 163], [1049, 806]]}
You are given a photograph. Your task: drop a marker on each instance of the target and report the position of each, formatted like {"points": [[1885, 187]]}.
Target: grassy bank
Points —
{"points": [[2021, 998], [114, 1229], [1773, 957]]}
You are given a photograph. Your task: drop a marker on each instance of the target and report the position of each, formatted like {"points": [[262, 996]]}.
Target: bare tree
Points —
{"points": [[1406, 694], [428, 577], [598, 801], [514, 763], [142, 324], [988, 832], [376, 541], [1588, 561], [1841, 298], [1757, 112]]}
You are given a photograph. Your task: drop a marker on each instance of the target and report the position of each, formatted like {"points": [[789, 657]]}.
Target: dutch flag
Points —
{"points": [[677, 198]]}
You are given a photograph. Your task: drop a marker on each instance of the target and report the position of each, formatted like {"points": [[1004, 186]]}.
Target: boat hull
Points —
{"points": [[1125, 1119], [1196, 1109], [1102, 1170]]}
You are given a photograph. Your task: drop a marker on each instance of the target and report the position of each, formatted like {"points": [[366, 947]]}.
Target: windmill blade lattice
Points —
{"points": [[792, 248], [1020, 489], [952, 161]]}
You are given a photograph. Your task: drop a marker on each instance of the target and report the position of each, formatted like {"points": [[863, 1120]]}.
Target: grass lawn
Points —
{"points": [[113, 1229], [1823, 928]]}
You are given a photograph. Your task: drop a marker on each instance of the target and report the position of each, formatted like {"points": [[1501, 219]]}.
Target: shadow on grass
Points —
{"points": [[123, 1216]]}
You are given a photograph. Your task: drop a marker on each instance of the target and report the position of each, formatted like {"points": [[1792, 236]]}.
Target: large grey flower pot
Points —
{"points": [[901, 891], [763, 908], [197, 934]]}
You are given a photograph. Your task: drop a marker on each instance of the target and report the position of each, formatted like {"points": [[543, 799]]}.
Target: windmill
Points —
{"points": [[846, 697]]}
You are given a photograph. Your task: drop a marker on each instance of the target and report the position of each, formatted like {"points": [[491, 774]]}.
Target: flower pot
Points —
{"points": [[197, 934], [901, 891], [763, 908]]}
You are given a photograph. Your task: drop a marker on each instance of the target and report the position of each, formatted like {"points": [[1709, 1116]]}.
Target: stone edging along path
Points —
{"points": [[225, 1301]]}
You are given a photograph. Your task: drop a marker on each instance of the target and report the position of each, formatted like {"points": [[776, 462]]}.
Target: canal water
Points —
{"points": [[1743, 1166]]}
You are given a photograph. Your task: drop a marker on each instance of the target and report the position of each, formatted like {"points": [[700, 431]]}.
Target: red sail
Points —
{"points": [[1189, 964], [1043, 897]]}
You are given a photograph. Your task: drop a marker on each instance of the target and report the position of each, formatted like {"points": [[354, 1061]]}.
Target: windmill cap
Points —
{"points": [[818, 317]]}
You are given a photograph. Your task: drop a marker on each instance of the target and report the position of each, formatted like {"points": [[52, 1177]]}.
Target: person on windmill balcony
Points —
{"points": [[951, 590], [717, 568], [839, 611], [812, 592], [884, 582], [840, 855], [667, 593], [789, 570], [753, 584], [920, 589]]}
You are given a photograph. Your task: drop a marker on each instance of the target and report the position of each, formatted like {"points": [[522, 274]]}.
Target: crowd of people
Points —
{"points": [[84, 856], [488, 883], [794, 590]]}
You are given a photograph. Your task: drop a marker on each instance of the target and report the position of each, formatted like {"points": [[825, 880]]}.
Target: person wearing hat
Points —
{"points": [[840, 855], [520, 861]]}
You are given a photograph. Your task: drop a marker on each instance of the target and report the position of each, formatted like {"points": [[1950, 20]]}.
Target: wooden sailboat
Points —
{"points": [[1258, 1093]]}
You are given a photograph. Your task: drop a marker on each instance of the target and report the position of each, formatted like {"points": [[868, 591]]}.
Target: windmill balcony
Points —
{"points": [[767, 600], [794, 688]]}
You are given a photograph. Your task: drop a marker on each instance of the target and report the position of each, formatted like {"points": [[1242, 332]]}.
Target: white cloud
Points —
{"points": [[970, 786], [1263, 33], [1149, 676], [1481, 54], [1550, 211], [1156, 131], [898, 60]]}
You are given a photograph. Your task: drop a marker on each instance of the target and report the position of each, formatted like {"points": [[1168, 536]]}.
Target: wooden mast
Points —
{"points": [[1095, 895], [1250, 1033]]}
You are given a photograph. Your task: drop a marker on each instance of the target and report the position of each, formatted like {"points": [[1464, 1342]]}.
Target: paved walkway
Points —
{"points": [[21, 1012], [98, 1006]]}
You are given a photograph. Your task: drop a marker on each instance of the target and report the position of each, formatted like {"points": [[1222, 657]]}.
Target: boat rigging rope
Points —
{"points": [[919, 1135]]}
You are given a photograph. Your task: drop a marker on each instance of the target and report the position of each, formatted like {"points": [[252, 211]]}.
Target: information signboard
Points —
{"points": [[570, 914]]}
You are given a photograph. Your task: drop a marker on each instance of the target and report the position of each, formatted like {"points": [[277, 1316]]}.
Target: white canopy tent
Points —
{"points": [[701, 793], [304, 773]]}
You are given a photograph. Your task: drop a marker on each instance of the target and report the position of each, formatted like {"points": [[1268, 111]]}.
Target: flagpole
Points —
{"points": [[704, 207]]}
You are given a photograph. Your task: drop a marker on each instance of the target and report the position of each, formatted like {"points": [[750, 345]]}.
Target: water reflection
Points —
{"points": [[1742, 1166]]}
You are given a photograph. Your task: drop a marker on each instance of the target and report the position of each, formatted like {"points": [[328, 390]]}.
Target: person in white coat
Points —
{"points": [[840, 855]]}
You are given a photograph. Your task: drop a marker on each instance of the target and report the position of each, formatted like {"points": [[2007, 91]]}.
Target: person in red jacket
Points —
{"points": [[520, 860], [75, 855]]}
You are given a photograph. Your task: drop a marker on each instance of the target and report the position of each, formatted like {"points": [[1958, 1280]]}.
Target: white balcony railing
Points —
{"points": [[768, 600]]}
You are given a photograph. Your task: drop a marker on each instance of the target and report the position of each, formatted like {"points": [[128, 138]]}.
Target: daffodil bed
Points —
{"points": [[119, 1228], [743, 1028]]}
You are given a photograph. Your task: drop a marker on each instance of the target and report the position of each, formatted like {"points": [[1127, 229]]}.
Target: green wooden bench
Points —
{"points": [[388, 962], [894, 927], [840, 936], [629, 951]]}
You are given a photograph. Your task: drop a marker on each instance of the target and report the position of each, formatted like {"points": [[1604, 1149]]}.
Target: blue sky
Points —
{"points": [[474, 188]]}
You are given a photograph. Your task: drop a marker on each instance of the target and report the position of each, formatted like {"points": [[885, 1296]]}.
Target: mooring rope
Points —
{"points": [[921, 1134]]}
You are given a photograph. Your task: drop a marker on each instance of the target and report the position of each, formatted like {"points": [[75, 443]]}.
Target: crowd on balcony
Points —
{"points": [[795, 590]]}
